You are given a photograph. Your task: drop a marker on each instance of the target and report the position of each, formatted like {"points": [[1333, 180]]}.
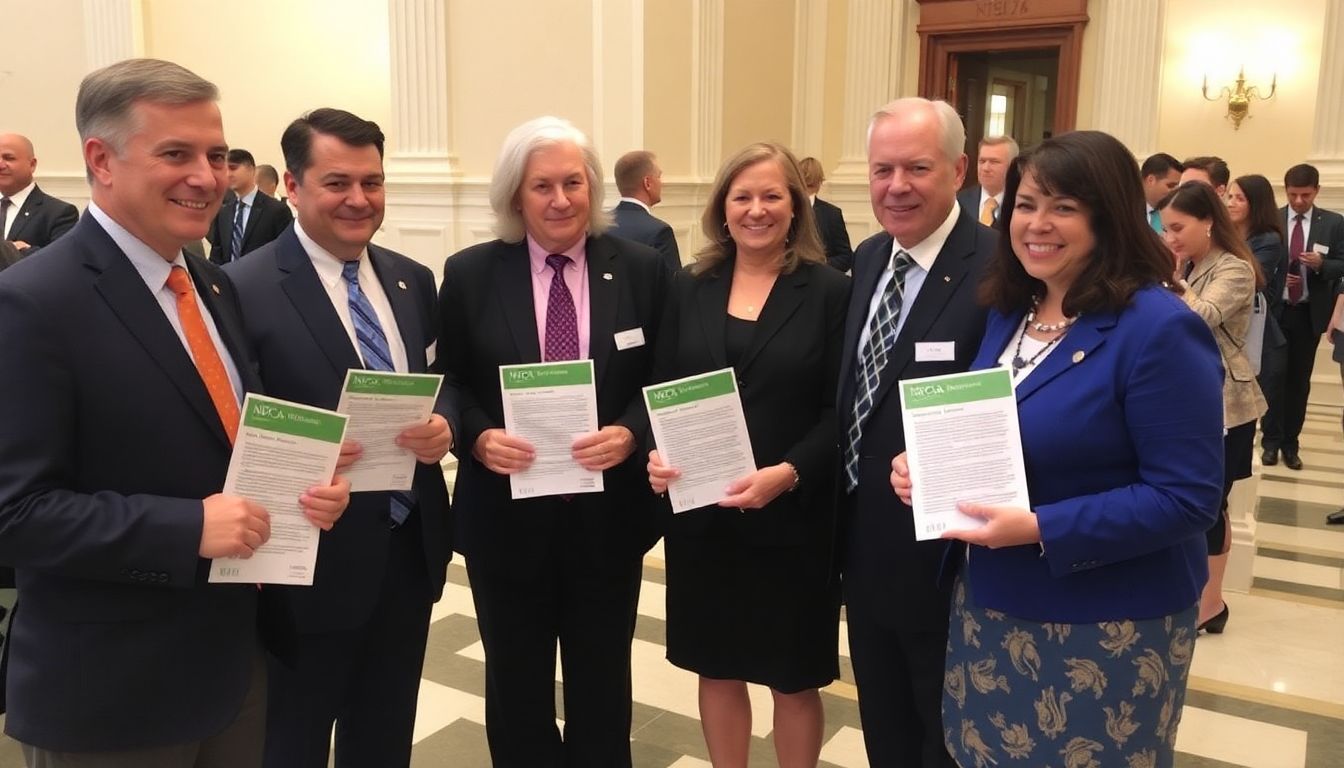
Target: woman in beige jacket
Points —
{"points": [[1220, 277]]}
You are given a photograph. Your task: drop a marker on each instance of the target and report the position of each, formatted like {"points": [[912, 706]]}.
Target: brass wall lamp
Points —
{"points": [[1239, 96]]}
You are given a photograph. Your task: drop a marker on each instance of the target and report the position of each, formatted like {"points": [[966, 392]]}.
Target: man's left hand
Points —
{"points": [[323, 505], [429, 441]]}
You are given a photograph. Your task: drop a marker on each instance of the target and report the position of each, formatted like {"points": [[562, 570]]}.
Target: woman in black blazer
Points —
{"points": [[752, 594]]}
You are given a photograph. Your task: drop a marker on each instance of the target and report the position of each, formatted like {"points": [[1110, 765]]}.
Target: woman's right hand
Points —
{"points": [[900, 478], [660, 474]]}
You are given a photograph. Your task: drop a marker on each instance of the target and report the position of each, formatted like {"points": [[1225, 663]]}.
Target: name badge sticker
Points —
{"points": [[935, 351], [630, 339]]}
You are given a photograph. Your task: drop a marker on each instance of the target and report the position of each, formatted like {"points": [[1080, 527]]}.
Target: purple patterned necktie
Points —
{"points": [[562, 322]]}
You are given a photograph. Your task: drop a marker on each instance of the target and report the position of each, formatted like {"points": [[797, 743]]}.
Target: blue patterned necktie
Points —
{"points": [[562, 321], [872, 359], [377, 356], [236, 241]]}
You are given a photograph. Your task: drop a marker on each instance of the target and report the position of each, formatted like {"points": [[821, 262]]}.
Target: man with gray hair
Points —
{"points": [[985, 199], [913, 313], [116, 444], [640, 182], [553, 569]]}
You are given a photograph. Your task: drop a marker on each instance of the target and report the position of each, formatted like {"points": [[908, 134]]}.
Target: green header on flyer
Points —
{"points": [[963, 388], [287, 418], [405, 384], [690, 390], [546, 375]]}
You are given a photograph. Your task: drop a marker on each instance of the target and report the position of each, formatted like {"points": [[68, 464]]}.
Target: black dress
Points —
{"points": [[742, 609]]}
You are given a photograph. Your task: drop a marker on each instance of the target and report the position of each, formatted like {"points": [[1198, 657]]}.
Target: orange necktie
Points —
{"points": [[203, 352], [987, 211]]}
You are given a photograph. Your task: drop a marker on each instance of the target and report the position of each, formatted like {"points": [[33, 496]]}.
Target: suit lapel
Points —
{"points": [[1081, 341], [253, 214], [866, 272], [604, 287], [396, 286], [22, 214], [786, 295], [226, 214], [712, 298], [304, 288], [513, 286]]}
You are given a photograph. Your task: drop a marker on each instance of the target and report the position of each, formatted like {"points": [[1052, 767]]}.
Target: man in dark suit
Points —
{"points": [[553, 569], [259, 217], [1161, 173], [363, 623], [116, 443], [29, 217], [985, 200], [640, 182], [1315, 262], [268, 181], [1208, 169], [913, 313], [830, 219]]}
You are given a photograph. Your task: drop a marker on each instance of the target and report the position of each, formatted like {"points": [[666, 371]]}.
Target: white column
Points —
{"points": [[113, 31], [874, 38], [706, 87], [809, 76], [1129, 72], [618, 78], [421, 135], [1327, 135]]}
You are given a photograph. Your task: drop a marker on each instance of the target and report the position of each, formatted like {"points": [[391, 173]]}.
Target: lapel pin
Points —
{"points": [[401, 284], [215, 287], [1078, 356], [606, 275], [947, 278]]}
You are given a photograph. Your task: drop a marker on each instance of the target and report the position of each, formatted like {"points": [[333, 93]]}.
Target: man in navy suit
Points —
{"points": [[29, 217], [116, 443], [317, 302], [257, 215], [640, 182], [913, 313], [985, 200]]}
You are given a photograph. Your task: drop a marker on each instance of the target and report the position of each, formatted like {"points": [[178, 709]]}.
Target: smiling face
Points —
{"points": [[554, 197], [17, 163], [759, 211], [912, 183], [341, 197], [1051, 235], [165, 185]]}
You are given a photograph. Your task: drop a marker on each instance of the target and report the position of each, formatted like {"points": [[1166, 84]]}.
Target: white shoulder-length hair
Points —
{"points": [[512, 164]]}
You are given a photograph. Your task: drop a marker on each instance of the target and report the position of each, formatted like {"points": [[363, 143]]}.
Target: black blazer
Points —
{"points": [[488, 320], [303, 353], [267, 219], [834, 235], [786, 381], [42, 219], [632, 222], [884, 567], [110, 443], [1327, 228]]}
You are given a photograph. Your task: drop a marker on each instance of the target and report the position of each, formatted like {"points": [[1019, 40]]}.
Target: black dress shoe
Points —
{"points": [[1270, 457], [1217, 624], [1336, 517], [1292, 461]]}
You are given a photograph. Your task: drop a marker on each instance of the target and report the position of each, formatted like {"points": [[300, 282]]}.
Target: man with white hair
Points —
{"points": [[554, 569]]}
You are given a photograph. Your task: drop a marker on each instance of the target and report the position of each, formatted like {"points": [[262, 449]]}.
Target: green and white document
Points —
{"points": [[380, 405], [699, 427], [963, 444], [550, 404], [283, 449]]}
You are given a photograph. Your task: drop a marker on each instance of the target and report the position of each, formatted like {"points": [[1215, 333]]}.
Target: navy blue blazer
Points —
{"points": [[632, 222], [110, 442], [1122, 432], [303, 353]]}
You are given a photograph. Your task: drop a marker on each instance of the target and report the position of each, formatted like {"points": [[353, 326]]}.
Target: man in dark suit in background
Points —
{"points": [[830, 219], [29, 217], [116, 443], [913, 313], [259, 218], [1161, 173], [1209, 169], [985, 200], [1315, 261], [640, 182], [268, 181], [317, 302]]}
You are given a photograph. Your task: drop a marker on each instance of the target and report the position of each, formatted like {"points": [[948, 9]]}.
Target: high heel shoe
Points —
{"points": [[1215, 625]]}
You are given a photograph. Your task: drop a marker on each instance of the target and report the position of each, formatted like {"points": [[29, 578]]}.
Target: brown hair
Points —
{"points": [[1196, 199]]}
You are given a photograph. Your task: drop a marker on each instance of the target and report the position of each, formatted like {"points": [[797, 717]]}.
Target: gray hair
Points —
{"points": [[103, 108], [951, 131], [999, 141], [511, 164]]}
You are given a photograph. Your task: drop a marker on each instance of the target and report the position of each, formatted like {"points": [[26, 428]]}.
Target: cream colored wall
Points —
{"points": [[667, 84], [39, 75], [1218, 36], [837, 18], [757, 73], [268, 72]]}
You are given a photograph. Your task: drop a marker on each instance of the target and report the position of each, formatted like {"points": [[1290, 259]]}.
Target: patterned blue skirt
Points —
{"points": [[1071, 695]]}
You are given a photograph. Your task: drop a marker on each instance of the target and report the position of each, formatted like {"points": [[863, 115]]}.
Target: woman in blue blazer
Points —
{"points": [[1073, 622]]}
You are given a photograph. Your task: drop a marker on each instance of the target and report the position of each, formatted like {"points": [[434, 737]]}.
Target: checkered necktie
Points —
{"points": [[236, 242], [562, 321], [377, 356], [872, 358]]}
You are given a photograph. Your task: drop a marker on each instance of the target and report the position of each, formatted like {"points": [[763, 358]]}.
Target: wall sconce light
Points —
{"points": [[1239, 96]]}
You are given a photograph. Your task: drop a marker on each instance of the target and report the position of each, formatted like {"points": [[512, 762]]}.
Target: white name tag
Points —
{"points": [[935, 351], [1320, 248], [431, 353], [630, 339]]}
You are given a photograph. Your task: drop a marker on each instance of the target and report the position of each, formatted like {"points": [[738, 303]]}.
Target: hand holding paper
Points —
{"points": [[429, 441], [759, 488], [323, 505], [233, 527], [660, 475], [1005, 525], [502, 453], [603, 449]]}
